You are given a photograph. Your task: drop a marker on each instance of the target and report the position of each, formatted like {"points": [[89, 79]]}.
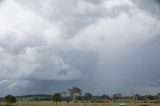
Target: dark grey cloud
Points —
{"points": [[151, 6]]}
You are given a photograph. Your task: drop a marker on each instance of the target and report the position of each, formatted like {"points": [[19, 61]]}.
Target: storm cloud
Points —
{"points": [[102, 46]]}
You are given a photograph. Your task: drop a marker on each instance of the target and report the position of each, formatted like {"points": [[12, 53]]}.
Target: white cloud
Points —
{"points": [[77, 40]]}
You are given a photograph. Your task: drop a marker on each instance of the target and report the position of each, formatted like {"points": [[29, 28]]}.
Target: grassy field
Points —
{"points": [[44, 103]]}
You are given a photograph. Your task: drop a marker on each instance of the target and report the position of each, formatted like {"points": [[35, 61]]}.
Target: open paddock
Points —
{"points": [[49, 103]]}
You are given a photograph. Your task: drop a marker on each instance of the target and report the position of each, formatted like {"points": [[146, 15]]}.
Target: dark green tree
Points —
{"points": [[105, 96], [57, 97], [9, 99], [139, 97], [117, 96], [88, 96]]}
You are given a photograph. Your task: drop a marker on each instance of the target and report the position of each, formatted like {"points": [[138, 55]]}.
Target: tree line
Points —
{"points": [[76, 95]]}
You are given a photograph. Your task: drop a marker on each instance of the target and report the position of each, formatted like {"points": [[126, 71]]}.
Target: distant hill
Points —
{"points": [[36, 95]]}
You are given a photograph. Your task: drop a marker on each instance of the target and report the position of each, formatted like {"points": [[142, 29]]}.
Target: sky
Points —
{"points": [[100, 46]]}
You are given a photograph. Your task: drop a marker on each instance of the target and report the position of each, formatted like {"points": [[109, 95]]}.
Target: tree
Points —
{"points": [[138, 97], [57, 97], [74, 91], [9, 99], [104, 96], [117, 96], [158, 96], [150, 97], [88, 96], [36, 99]]}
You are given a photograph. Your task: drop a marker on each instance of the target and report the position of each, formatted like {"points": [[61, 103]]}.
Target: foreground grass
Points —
{"points": [[44, 103]]}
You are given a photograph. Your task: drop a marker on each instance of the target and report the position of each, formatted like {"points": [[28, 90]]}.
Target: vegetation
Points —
{"points": [[88, 96], [117, 96], [57, 97], [106, 97], [74, 91], [75, 97], [9, 99], [102, 103]]}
